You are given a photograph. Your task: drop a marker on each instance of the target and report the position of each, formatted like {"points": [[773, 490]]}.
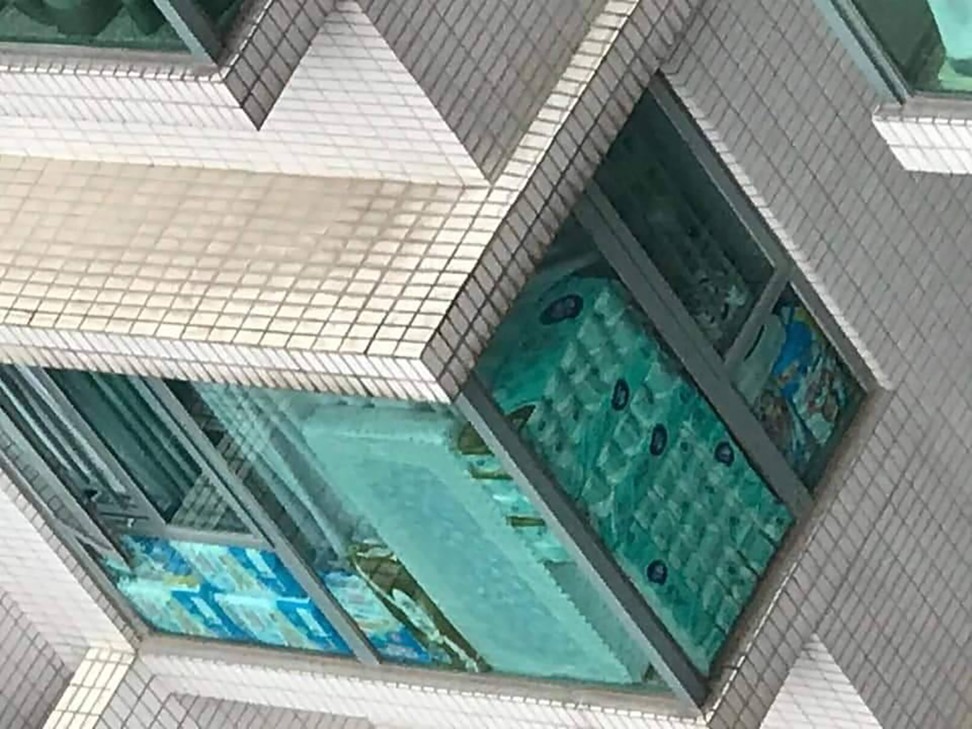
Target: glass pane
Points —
{"points": [[134, 24], [798, 387], [414, 527], [215, 591], [635, 445], [143, 443], [684, 224], [64, 451], [930, 41]]}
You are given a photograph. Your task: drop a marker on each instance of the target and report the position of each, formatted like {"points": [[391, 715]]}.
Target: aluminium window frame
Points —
{"points": [[711, 372], [192, 436], [197, 32], [708, 369], [203, 44], [97, 534], [865, 49], [631, 610]]}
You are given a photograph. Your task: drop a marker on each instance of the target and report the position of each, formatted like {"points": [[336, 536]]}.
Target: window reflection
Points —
{"points": [[220, 592], [689, 231], [135, 433], [401, 505], [930, 41], [129, 24], [640, 452], [135, 24]]}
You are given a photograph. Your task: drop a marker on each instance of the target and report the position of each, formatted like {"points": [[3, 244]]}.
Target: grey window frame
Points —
{"points": [[865, 49], [199, 35], [711, 371], [873, 61], [194, 29]]}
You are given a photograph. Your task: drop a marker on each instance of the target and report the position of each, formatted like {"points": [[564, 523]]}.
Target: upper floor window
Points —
{"points": [[928, 42], [141, 25]]}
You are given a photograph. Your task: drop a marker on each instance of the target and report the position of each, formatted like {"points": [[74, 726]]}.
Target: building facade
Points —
{"points": [[563, 363]]}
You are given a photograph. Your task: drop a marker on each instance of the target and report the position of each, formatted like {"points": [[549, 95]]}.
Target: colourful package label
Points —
{"points": [[312, 624], [153, 601], [206, 610], [217, 565], [267, 569], [384, 631], [263, 623], [159, 560]]}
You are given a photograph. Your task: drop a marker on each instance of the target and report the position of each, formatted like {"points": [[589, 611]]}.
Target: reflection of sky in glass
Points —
{"points": [[407, 503], [798, 387]]}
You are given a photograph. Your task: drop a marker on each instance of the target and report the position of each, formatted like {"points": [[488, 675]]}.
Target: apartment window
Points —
{"points": [[137, 24], [918, 45], [405, 501], [220, 592], [632, 440], [662, 367], [681, 220]]}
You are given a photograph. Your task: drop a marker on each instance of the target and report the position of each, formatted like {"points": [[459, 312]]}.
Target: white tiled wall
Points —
{"points": [[71, 82], [215, 714], [46, 583], [550, 167], [391, 703], [487, 65], [334, 284], [817, 695], [349, 110], [92, 689], [883, 576], [32, 675], [316, 282]]}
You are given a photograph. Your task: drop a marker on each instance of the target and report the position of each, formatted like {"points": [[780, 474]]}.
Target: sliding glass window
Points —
{"points": [[413, 525], [665, 372], [928, 42], [627, 434], [134, 24], [137, 25], [310, 521]]}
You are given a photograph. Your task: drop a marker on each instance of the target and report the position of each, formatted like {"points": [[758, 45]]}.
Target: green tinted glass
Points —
{"points": [[126, 24], [930, 41], [133, 24], [220, 592], [635, 445], [688, 229]]}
